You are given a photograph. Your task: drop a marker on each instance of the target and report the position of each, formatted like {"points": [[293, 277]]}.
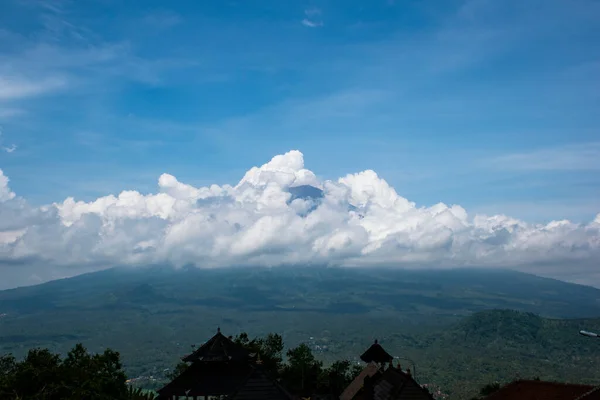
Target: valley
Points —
{"points": [[460, 328]]}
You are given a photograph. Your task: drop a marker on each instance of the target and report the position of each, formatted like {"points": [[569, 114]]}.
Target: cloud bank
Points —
{"points": [[279, 214]]}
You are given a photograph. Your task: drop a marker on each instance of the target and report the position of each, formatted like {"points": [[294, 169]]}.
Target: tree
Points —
{"points": [[43, 375], [489, 389], [303, 372], [339, 375], [139, 394], [269, 349], [178, 370], [37, 376]]}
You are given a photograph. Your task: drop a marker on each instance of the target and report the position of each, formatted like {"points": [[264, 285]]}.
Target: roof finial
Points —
{"points": [[375, 341], [218, 329]]}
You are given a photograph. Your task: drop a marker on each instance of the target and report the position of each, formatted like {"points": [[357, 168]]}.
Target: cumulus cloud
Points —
{"points": [[280, 214], [5, 192]]}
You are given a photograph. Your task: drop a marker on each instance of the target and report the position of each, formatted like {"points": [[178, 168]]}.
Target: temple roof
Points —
{"points": [[394, 384], [218, 348], [242, 381], [356, 385], [540, 390], [377, 354], [259, 387], [391, 384], [204, 378]]}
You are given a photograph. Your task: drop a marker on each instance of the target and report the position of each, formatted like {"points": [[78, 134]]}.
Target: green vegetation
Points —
{"points": [[44, 375], [80, 375], [301, 373], [440, 320]]}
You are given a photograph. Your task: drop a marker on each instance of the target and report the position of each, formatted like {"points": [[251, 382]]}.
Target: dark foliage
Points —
{"points": [[80, 375], [269, 349], [435, 318], [178, 370], [489, 389], [302, 374]]}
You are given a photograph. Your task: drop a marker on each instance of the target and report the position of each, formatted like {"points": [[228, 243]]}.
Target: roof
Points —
{"points": [[259, 387], [593, 394], [540, 390], [395, 384], [390, 384], [354, 387], [218, 348], [204, 378], [377, 354]]}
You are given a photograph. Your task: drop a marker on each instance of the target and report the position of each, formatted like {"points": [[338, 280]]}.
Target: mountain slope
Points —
{"points": [[329, 290], [153, 315], [502, 345]]}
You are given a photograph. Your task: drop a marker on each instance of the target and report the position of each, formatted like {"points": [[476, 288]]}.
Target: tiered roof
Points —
{"points": [[221, 367], [394, 384], [374, 384], [219, 348], [593, 394], [377, 354], [259, 387], [208, 379], [356, 385], [540, 390]]}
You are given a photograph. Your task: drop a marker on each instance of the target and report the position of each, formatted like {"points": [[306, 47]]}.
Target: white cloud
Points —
{"points": [[356, 220], [8, 149], [12, 88], [5, 192], [311, 24], [9, 112], [571, 157], [312, 12], [312, 18]]}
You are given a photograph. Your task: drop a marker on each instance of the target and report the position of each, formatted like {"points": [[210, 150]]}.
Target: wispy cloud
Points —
{"points": [[9, 112], [66, 49], [12, 88], [10, 149], [105, 143], [312, 12], [311, 24], [312, 19], [162, 19], [571, 157], [577, 210]]}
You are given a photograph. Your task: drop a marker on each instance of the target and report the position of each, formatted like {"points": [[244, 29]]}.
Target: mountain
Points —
{"points": [[440, 319], [503, 345]]}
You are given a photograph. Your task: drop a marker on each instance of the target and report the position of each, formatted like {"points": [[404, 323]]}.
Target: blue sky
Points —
{"points": [[492, 105]]}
